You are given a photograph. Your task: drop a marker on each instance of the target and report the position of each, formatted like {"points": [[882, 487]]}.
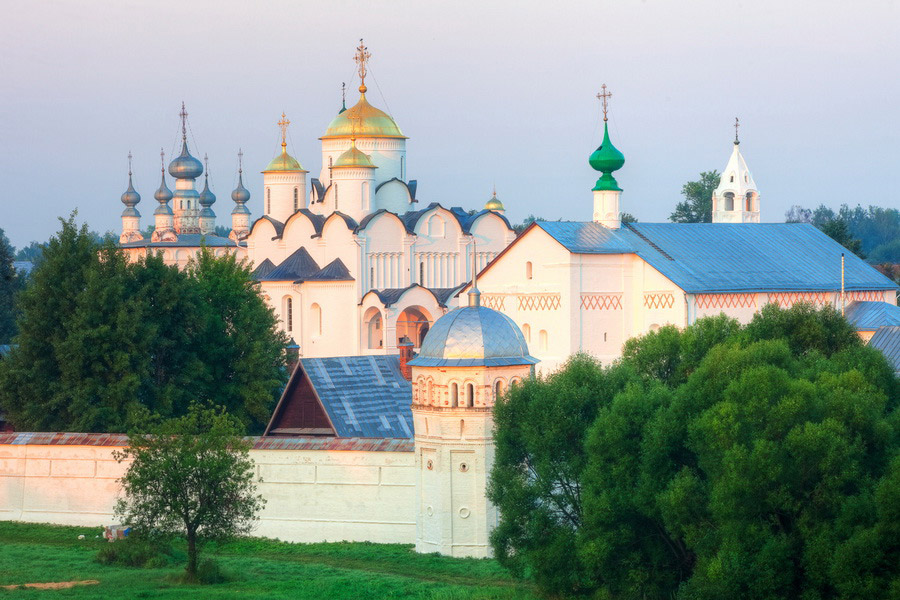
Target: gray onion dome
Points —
{"points": [[130, 199], [240, 193], [185, 166], [163, 194], [207, 198]]}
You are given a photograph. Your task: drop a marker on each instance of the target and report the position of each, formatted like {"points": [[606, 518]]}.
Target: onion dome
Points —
{"points": [[363, 120], [130, 198], [353, 157], [494, 203], [284, 162], [607, 159], [207, 198], [240, 195], [163, 195], [185, 166]]}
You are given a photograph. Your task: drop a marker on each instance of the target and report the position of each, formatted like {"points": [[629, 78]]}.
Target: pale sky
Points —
{"points": [[486, 91]]}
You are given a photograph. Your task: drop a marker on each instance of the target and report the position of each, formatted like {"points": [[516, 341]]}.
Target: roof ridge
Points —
{"points": [[648, 240]]}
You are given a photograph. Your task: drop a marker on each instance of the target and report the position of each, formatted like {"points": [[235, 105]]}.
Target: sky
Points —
{"points": [[489, 93]]}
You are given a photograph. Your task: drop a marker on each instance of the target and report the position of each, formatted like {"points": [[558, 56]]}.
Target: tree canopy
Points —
{"points": [[872, 232], [697, 204], [11, 283], [100, 337], [190, 476], [715, 462]]}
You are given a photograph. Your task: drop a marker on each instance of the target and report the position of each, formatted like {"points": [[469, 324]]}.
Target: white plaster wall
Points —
{"points": [[312, 495]]}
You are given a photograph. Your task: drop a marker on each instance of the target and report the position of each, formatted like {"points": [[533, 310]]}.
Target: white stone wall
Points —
{"points": [[312, 495]]}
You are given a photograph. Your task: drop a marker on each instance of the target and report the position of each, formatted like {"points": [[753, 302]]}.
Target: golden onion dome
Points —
{"points": [[363, 120], [284, 162], [494, 203], [353, 157]]}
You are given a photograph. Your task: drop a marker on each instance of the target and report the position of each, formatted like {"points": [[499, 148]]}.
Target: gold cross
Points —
{"points": [[737, 123], [604, 97], [283, 123], [362, 58]]}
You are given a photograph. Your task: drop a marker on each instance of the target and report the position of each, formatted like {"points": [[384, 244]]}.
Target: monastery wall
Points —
{"points": [[331, 494]]}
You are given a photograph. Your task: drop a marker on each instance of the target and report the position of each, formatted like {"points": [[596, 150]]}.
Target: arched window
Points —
{"points": [[746, 178], [528, 270], [732, 178], [749, 202], [421, 273], [296, 199], [316, 312], [470, 394], [403, 168], [288, 314], [430, 392], [526, 331], [421, 390], [543, 339], [436, 226], [365, 195], [498, 389], [268, 201], [729, 201], [454, 394], [335, 197]]}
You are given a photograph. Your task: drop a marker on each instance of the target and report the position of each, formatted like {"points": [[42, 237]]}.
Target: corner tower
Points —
{"points": [[607, 159], [736, 199], [469, 357]]}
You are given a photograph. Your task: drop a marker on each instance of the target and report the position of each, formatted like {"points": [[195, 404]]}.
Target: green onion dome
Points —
{"points": [[353, 157], [284, 162], [607, 159]]}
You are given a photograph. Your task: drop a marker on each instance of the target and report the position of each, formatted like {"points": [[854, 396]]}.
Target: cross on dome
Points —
{"points": [[129, 163], [604, 97], [362, 57], [737, 123], [240, 161], [283, 123], [183, 114]]}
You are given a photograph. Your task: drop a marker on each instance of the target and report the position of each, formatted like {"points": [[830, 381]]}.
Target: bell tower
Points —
{"points": [[736, 199]]}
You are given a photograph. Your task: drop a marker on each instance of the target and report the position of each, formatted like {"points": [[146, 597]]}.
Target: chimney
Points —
{"points": [[406, 353], [292, 352]]}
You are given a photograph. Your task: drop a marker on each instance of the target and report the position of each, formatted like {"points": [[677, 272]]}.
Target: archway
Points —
{"points": [[373, 329], [413, 323]]}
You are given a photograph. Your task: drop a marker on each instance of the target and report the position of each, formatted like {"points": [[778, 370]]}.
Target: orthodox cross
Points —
{"points": [[240, 161], [354, 123], [206, 165], [362, 58], [162, 160], [344, 94], [183, 114], [129, 163], [283, 123], [737, 123], [604, 97]]}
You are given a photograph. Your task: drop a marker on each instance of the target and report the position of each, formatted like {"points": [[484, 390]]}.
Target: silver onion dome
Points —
{"points": [[473, 336], [163, 194], [207, 198], [130, 199], [185, 166], [240, 193]]}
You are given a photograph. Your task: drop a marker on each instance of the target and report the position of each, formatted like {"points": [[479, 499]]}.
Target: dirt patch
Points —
{"points": [[58, 585]]}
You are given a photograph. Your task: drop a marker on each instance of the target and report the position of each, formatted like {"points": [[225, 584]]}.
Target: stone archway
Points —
{"points": [[413, 323]]}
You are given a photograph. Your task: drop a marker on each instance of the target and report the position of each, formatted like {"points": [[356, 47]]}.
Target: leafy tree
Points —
{"points": [[837, 230], [191, 476], [10, 284], [753, 462], [32, 252], [697, 204], [629, 218], [525, 223], [101, 338], [222, 231]]}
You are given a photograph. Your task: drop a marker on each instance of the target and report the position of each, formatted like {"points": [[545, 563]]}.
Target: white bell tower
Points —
{"points": [[736, 200]]}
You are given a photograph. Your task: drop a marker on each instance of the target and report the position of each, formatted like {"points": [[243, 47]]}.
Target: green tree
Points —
{"points": [[11, 283], [101, 338], [751, 462], [838, 230], [32, 252], [697, 204], [191, 476]]}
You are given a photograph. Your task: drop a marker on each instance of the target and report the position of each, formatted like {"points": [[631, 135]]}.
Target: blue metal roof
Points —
{"points": [[185, 240], [336, 270], [728, 257], [869, 316], [299, 265], [263, 269], [887, 339], [364, 396]]}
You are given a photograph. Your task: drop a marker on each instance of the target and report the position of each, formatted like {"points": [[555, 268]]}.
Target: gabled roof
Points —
{"points": [[336, 270], [278, 225], [869, 316], [351, 223], [727, 257], [318, 221], [364, 396], [263, 269], [887, 339], [299, 265]]}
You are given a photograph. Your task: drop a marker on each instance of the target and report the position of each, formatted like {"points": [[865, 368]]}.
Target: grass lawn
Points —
{"points": [[258, 568]]}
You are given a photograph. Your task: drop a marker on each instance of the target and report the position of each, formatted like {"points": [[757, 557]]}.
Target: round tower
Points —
{"points": [[374, 132], [164, 230], [469, 357], [186, 169], [240, 216], [131, 218], [606, 159], [207, 199], [736, 199], [352, 184], [284, 181]]}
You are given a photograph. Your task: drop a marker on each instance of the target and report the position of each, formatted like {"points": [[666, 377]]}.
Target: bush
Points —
{"points": [[135, 551]]}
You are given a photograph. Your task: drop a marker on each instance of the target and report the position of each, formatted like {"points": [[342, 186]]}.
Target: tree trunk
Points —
{"points": [[192, 552]]}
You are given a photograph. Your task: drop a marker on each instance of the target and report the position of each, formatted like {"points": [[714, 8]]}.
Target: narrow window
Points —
{"points": [[371, 276], [526, 331], [498, 389], [470, 395], [422, 273], [289, 314], [403, 168], [528, 270], [335, 197], [296, 199], [454, 394], [732, 178], [316, 311], [268, 201], [543, 338]]}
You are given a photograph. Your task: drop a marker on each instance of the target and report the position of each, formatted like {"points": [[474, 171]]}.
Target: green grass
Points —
{"points": [[258, 568]]}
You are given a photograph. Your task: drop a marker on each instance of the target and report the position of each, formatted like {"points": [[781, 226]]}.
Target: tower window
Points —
{"points": [[498, 389], [268, 201], [746, 178], [403, 168], [335, 197], [749, 202], [470, 395], [528, 270], [422, 273], [732, 178], [543, 339], [454, 394], [316, 311], [296, 199], [729, 201], [526, 331], [289, 314]]}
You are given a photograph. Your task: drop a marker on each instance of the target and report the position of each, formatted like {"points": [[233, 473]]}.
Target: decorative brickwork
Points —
{"points": [[864, 296], [788, 299], [539, 301], [726, 300], [601, 301], [495, 301], [659, 300]]}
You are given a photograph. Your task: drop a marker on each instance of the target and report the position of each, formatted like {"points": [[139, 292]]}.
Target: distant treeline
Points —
{"points": [[876, 228]]}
